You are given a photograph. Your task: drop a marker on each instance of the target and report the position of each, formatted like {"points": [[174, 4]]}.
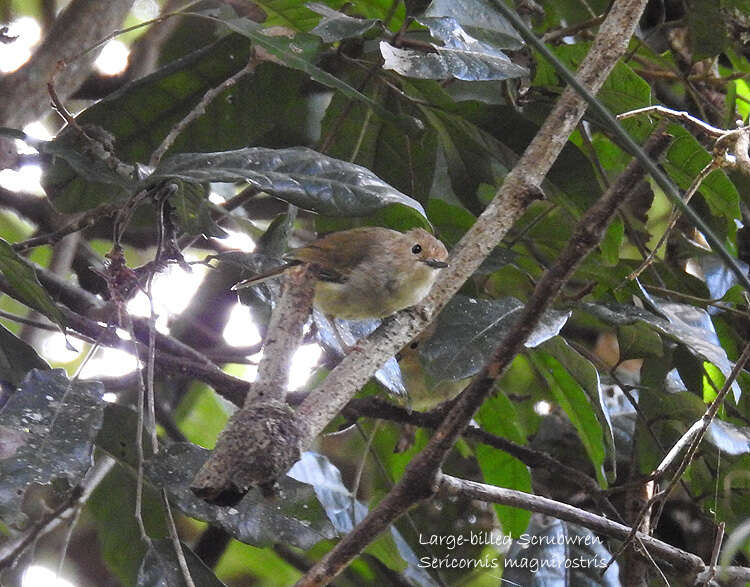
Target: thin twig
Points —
{"points": [[718, 541], [88, 218], [689, 442], [557, 34], [519, 189], [175, 540], [677, 114], [199, 110], [675, 216], [682, 561]]}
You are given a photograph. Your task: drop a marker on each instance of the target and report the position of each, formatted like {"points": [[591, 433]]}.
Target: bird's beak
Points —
{"points": [[435, 264]]}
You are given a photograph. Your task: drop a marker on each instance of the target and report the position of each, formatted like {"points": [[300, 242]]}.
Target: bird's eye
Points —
{"points": [[416, 249]]}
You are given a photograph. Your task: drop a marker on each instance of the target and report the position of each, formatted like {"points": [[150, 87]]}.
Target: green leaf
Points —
{"points": [[351, 132], [288, 51], [498, 416], [469, 329], [17, 358], [345, 512], [638, 341], [573, 399], [335, 26], [191, 212], [574, 191], [451, 222], [685, 159], [297, 175], [480, 19], [297, 520], [26, 287], [586, 375], [161, 567], [686, 324], [47, 431], [610, 245], [624, 90], [708, 31], [141, 114], [459, 57], [298, 15], [110, 507]]}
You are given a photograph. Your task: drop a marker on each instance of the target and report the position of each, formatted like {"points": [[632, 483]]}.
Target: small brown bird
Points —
{"points": [[368, 272]]}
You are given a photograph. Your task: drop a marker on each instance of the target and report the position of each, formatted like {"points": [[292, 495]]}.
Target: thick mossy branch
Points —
{"points": [[262, 440]]}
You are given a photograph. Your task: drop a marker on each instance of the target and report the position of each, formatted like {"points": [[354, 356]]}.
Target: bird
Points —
{"points": [[367, 272]]}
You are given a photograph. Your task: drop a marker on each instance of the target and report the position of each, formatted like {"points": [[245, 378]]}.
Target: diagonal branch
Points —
{"points": [[685, 563], [81, 24], [521, 186]]}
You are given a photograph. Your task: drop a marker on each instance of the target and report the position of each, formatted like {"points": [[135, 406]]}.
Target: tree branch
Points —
{"points": [[81, 24], [508, 205], [683, 562], [261, 440]]}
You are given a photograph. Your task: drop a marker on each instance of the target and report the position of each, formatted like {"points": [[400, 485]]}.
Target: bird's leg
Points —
{"points": [[345, 348]]}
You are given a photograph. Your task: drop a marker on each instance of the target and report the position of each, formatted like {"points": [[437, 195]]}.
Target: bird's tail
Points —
{"points": [[260, 278]]}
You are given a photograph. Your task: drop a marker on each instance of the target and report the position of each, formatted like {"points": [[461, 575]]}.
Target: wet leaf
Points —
{"points": [[335, 26], [160, 567], [469, 329], [480, 19], [55, 423], [23, 280], [459, 57], [351, 331], [298, 175], [688, 325], [17, 358], [345, 512], [295, 518]]}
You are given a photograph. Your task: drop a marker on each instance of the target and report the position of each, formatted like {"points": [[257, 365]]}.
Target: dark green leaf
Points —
{"points": [[469, 329], [17, 358], [610, 245], [638, 341], [111, 508], [686, 324], [295, 519], [498, 416], [335, 26], [685, 158], [350, 132], [460, 57], [574, 191], [191, 211], [288, 51], [118, 432], [160, 567], [586, 375], [47, 431], [22, 279], [297, 15], [573, 399], [708, 32], [139, 116], [298, 175], [480, 19]]}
